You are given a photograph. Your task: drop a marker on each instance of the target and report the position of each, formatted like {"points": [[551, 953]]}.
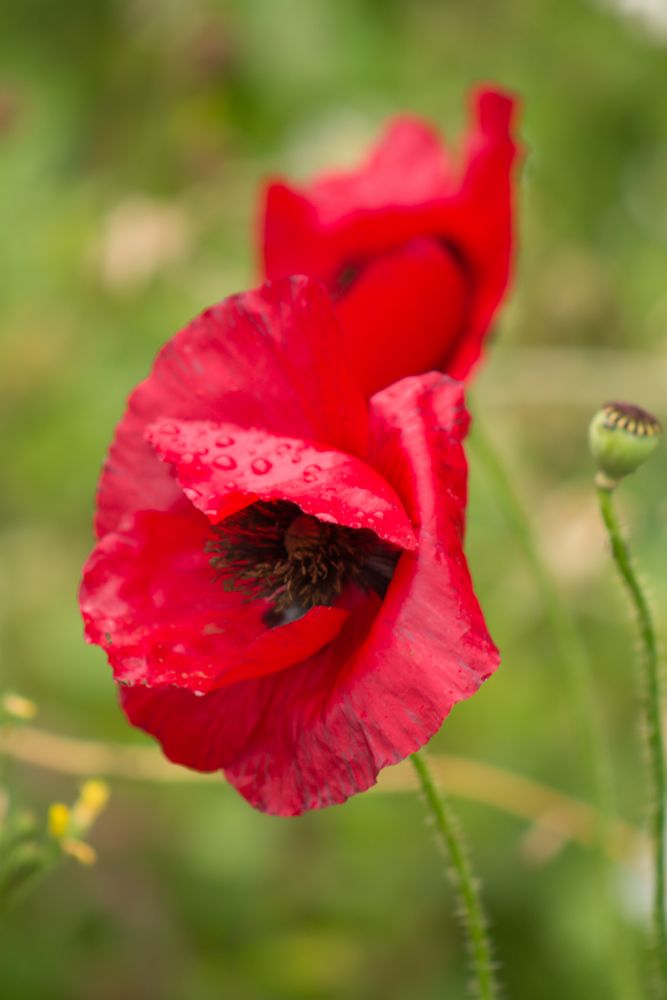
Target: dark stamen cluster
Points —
{"points": [[276, 552]]}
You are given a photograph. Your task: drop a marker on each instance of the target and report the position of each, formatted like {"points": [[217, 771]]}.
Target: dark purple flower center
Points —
{"points": [[276, 552]]}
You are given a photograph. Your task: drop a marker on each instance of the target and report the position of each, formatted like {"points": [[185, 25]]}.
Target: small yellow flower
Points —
{"points": [[93, 797], [59, 820]]}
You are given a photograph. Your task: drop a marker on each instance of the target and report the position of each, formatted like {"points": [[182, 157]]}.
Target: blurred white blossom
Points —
{"points": [[141, 237]]}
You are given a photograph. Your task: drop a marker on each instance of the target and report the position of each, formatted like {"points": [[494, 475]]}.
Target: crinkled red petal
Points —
{"points": [[149, 597], [319, 731], [269, 358], [223, 468]]}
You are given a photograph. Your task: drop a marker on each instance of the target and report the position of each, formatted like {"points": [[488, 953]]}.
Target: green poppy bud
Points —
{"points": [[621, 437]]}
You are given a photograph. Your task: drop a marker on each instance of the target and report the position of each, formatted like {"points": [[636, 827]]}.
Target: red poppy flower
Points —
{"points": [[278, 582], [414, 247]]}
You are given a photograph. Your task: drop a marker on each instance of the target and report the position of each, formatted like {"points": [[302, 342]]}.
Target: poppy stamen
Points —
{"points": [[274, 551]]}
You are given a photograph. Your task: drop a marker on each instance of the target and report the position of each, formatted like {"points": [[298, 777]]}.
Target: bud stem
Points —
{"points": [[652, 705], [473, 918], [577, 667]]}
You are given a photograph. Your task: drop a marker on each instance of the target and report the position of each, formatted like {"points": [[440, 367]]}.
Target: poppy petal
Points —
{"points": [[409, 165], [403, 312], [481, 222], [149, 598], [223, 468], [410, 188], [269, 358]]}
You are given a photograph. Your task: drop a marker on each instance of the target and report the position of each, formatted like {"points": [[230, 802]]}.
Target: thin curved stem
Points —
{"points": [[652, 707], [557, 814], [473, 919]]}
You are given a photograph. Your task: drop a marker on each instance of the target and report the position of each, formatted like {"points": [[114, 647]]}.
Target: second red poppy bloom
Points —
{"points": [[414, 247]]}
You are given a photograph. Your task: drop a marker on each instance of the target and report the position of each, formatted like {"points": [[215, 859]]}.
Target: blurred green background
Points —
{"points": [[133, 137]]}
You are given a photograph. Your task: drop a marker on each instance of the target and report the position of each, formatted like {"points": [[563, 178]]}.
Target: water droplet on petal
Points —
{"points": [[283, 448], [224, 441], [261, 466], [225, 462], [310, 473]]}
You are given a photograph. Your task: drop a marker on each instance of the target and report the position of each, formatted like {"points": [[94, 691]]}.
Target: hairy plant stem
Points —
{"points": [[652, 708], [471, 910], [577, 668], [570, 648]]}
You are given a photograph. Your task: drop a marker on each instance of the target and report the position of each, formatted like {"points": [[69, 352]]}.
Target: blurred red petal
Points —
{"points": [[409, 166], [403, 312], [409, 188]]}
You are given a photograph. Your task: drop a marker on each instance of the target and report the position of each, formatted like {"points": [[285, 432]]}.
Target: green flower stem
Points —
{"points": [[26, 864], [569, 646], [652, 706], [23, 858], [473, 919], [576, 665]]}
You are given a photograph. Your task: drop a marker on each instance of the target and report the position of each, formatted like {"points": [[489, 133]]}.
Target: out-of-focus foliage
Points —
{"points": [[133, 136]]}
